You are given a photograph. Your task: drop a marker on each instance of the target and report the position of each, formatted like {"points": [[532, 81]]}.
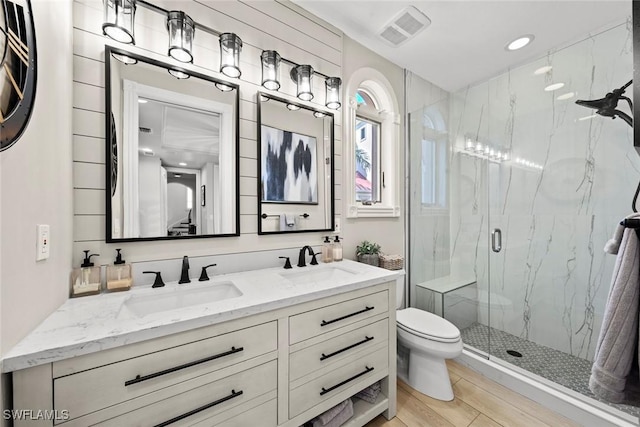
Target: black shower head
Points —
{"points": [[608, 105]]}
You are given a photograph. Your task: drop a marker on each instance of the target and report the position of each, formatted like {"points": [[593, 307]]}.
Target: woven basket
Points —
{"points": [[391, 262]]}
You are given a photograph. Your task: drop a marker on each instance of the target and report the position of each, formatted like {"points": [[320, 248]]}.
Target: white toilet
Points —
{"points": [[430, 340]]}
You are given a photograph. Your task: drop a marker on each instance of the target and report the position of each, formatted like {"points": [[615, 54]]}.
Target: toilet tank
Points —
{"points": [[399, 292]]}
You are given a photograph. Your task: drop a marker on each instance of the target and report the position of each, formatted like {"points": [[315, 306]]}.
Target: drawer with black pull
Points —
{"points": [[349, 378], [316, 322], [337, 349], [205, 401], [97, 388]]}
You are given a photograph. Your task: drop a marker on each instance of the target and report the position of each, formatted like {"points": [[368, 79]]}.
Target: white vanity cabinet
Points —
{"points": [[276, 368]]}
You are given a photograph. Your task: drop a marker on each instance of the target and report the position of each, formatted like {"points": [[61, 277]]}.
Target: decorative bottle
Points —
{"points": [[337, 249], [86, 279], [119, 275], [327, 250]]}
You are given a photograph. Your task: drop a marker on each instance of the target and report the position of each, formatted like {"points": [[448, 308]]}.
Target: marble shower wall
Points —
{"points": [[550, 281]]}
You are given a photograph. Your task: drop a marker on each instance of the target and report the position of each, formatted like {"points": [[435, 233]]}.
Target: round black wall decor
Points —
{"points": [[17, 69]]}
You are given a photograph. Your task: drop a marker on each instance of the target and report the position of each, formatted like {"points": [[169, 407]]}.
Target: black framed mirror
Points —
{"points": [[176, 137], [295, 167]]}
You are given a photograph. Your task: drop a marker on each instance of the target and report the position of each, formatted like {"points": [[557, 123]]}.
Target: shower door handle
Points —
{"points": [[496, 240]]}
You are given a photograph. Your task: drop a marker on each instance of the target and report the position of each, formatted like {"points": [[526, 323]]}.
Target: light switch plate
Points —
{"points": [[43, 242]]}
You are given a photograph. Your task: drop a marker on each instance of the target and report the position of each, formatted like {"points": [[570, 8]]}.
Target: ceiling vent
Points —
{"points": [[404, 26]]}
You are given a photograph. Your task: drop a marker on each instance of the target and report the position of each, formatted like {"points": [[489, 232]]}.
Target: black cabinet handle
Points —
{"points": [[326, 356], [139, 378], [340, 384], [328, 322], [200, 409]]}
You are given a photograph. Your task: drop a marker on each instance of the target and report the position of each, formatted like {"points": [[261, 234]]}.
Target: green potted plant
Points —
{"points": [[368, 253]]}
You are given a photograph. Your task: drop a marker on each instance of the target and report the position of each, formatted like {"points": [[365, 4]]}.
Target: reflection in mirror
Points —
{"points": [[177, 141], [295, 168]]}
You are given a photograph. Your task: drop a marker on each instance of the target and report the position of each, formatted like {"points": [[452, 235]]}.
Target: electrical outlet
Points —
{"points": [[43, 242], [336, 224]]}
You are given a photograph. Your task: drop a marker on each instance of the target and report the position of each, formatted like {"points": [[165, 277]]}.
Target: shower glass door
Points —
{"points": [[559, 179]]}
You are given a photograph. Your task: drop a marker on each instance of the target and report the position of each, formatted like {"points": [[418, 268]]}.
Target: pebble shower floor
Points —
{"points": [[562, 368]]}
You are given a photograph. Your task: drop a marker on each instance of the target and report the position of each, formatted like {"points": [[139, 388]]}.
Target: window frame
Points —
{"points": [[389, 116]]}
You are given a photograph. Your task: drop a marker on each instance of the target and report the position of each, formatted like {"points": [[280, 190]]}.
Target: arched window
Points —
{"points": [[372, 146]]}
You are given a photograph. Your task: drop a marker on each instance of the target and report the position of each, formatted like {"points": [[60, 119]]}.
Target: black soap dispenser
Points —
{"points": [[86, 279], [119, 276], [337, 249]]}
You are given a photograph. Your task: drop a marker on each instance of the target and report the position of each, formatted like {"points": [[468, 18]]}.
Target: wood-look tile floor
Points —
{"points": [[478, 402]]}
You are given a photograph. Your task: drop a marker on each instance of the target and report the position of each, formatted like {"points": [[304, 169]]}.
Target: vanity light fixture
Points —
{"points": [[181, 32], [230, 48], [332, 92], [302, 75], [119, 17], [270, 69]]}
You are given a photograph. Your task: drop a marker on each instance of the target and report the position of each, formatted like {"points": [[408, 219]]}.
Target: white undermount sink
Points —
{"points": [[165, 299], [318, 273]]}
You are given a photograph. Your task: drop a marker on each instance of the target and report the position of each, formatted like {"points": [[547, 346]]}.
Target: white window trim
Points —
{"points": [[391, 138]]}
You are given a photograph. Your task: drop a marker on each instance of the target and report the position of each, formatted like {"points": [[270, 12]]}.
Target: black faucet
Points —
{"points": [[157, 283], [301, 257], [184, 277]]}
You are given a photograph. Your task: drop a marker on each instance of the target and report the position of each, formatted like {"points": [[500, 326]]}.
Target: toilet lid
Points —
{"points": [[427, 325]]}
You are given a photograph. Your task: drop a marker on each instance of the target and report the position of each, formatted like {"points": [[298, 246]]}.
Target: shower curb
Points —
{"points": [[560, 402]]}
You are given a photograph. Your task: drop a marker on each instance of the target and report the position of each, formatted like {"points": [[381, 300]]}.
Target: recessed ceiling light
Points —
{"points": [[182, 164], [520, 42], [142, 101], [543, 70], [553, 87], [567, 95]]}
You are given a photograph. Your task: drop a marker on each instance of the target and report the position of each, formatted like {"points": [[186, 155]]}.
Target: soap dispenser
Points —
{"points": [[327, 250], [337, 249], [86, 279], [119, 274]]}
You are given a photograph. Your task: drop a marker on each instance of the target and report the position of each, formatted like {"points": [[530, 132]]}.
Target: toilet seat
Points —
{"points": [[427, 325]]}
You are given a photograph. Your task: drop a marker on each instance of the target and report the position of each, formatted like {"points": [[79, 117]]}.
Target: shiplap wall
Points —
{"points": [[276, 25]]}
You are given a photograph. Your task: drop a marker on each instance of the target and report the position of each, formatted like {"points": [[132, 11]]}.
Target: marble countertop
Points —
{"points": [[95, 323]]}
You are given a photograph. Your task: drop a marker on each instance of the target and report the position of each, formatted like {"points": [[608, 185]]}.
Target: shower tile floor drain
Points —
{"points": [[562, 368]]}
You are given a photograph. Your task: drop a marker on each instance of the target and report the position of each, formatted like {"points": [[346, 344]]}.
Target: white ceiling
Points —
{"points": [[466, 40]]}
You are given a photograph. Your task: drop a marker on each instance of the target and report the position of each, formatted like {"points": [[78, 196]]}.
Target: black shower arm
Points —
{"points": [[624, 116]]}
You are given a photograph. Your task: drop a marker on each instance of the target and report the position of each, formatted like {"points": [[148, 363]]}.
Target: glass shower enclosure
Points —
{"points": [[514, 190]]}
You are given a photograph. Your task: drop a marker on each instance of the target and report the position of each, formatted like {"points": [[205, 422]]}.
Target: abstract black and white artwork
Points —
{"points": [[289, 167]]}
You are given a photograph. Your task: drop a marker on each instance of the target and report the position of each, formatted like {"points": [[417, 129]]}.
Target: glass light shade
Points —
{"points": [[332, 92], [181, 32], [119, 17], [124, 59], [230, 48], [293, 107], [318, 114], [302, 75], [270, 69], [178, 74], [223, 87]]}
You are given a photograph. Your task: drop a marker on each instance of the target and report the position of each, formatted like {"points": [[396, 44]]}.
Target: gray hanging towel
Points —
{"points": [[619, 334]]}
